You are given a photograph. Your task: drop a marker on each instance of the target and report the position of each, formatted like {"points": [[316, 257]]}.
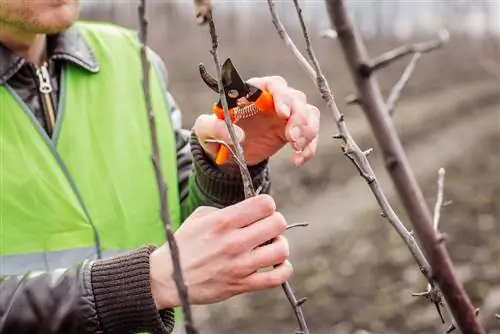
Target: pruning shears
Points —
{"points": [[244, 100]]}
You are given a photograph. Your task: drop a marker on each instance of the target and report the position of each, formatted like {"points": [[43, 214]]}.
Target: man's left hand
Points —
{"points": [[295, 122]]}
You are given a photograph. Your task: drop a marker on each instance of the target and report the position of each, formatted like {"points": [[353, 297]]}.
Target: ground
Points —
{"points": [[354, 270]]}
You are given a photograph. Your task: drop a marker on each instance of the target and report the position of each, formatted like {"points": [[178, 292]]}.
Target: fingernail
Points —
{"points": [[239, 133], [285, 110], [295, 132], [299, 160], [300, 143]]}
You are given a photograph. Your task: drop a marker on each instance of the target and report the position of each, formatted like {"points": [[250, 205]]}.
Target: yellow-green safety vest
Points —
{"points": [[91, 189]]}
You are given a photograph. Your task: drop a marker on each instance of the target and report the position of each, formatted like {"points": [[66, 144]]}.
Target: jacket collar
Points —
{"points": [[68, 46]]}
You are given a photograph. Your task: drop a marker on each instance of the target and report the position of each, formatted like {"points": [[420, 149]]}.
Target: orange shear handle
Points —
{"points": [[264, 103]]}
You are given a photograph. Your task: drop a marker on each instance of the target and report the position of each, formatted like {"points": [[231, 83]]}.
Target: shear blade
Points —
{"points": [[231, 80], [209, 80]]}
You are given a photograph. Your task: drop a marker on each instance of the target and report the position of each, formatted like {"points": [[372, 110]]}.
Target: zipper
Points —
{"points": [[45, 88]]}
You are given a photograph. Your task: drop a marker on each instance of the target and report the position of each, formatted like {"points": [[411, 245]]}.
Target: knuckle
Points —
{"points": [[275, 278], [279, 222], [265, 204], [232, 247], [300, 95], [314, 110], [278, 79], [283, 250]]}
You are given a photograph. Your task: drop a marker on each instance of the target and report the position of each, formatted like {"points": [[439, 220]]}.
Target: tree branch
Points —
{"points": [[238, 150], [401, 84], [393, 55], [397, 163], [238, 154], [439, 199], [174, 250], [350, 148]]}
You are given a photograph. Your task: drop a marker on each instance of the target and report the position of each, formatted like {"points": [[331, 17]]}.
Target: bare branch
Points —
{"points": [[288, 42], [397, 163], [352, 100], [329, 33], [405, 50], [247, 180], [174, 249], [350, 147], [401, 84], [241, 164], [289, 227], [238, 150], [439, 200]]}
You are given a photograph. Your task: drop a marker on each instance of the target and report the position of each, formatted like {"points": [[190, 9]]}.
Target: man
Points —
{"points": [[79, 207]]}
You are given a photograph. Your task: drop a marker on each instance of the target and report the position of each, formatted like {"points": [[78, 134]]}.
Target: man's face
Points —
{"points": [[39, 16]]}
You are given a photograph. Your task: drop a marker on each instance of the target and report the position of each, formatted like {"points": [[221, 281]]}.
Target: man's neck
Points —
{"points": [[28, 45]]}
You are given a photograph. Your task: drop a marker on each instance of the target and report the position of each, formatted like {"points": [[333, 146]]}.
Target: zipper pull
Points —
{"points": [[45, 88], [44, 78]]}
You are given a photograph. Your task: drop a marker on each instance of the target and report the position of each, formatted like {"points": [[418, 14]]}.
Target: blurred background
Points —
{"points": [[356, 273]]}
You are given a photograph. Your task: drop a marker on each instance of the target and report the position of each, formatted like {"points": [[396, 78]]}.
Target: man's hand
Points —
{"points": [[221, 253], [295, 122]]}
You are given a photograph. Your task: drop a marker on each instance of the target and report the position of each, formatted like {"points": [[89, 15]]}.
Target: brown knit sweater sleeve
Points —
{"points": [[122, 295]]}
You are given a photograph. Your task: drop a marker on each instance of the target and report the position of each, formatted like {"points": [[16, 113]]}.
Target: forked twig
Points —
{"points": [[174, 249], [350, 148], [393, 55], [396, 161], [238, 154], [401, 84]]}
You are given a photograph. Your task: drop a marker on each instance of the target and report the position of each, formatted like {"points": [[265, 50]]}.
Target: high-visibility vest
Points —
{"points": [[91, 188]]}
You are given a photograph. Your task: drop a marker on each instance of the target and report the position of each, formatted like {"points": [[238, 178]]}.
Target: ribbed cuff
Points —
{"points": [[224, 186], [122, 292]]}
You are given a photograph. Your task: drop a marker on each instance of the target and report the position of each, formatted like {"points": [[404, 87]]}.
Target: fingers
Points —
{"points": [[265, 256], [268, 279], [264, 230], [278, 88], [210, 127], [301, 157], [303, 124], [202, 211], [245, 212]]}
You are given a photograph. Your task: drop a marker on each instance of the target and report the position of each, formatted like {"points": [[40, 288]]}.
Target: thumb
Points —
{"points": [[210, 127]]}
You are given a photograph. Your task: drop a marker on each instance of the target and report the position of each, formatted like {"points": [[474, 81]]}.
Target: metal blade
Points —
{"points": [[209, 80], [232, 80]]}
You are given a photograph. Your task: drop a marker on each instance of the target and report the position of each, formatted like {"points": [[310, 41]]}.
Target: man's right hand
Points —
{"points": [[221, 253]]}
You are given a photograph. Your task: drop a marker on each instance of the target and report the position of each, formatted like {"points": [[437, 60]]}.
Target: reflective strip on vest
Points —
{"points": [[20, 264]]}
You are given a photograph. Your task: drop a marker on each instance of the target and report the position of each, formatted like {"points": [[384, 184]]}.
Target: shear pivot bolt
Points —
{"points": [[233, 93]]}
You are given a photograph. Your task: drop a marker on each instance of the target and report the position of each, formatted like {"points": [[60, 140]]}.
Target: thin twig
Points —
{"points": [[352, 100], [238, 154], [401, 84], [241, 164], [405, 50], [289, 227], [174, 249], [397, 164], [351, 149], [238, 150], [453, 325], [439, 200]]}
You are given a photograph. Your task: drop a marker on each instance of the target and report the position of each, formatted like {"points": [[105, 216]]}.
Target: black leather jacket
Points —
{"points": [[105, 295]]}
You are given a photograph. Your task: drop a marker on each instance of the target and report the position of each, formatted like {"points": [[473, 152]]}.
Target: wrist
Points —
{"points": [[163, 288]]}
